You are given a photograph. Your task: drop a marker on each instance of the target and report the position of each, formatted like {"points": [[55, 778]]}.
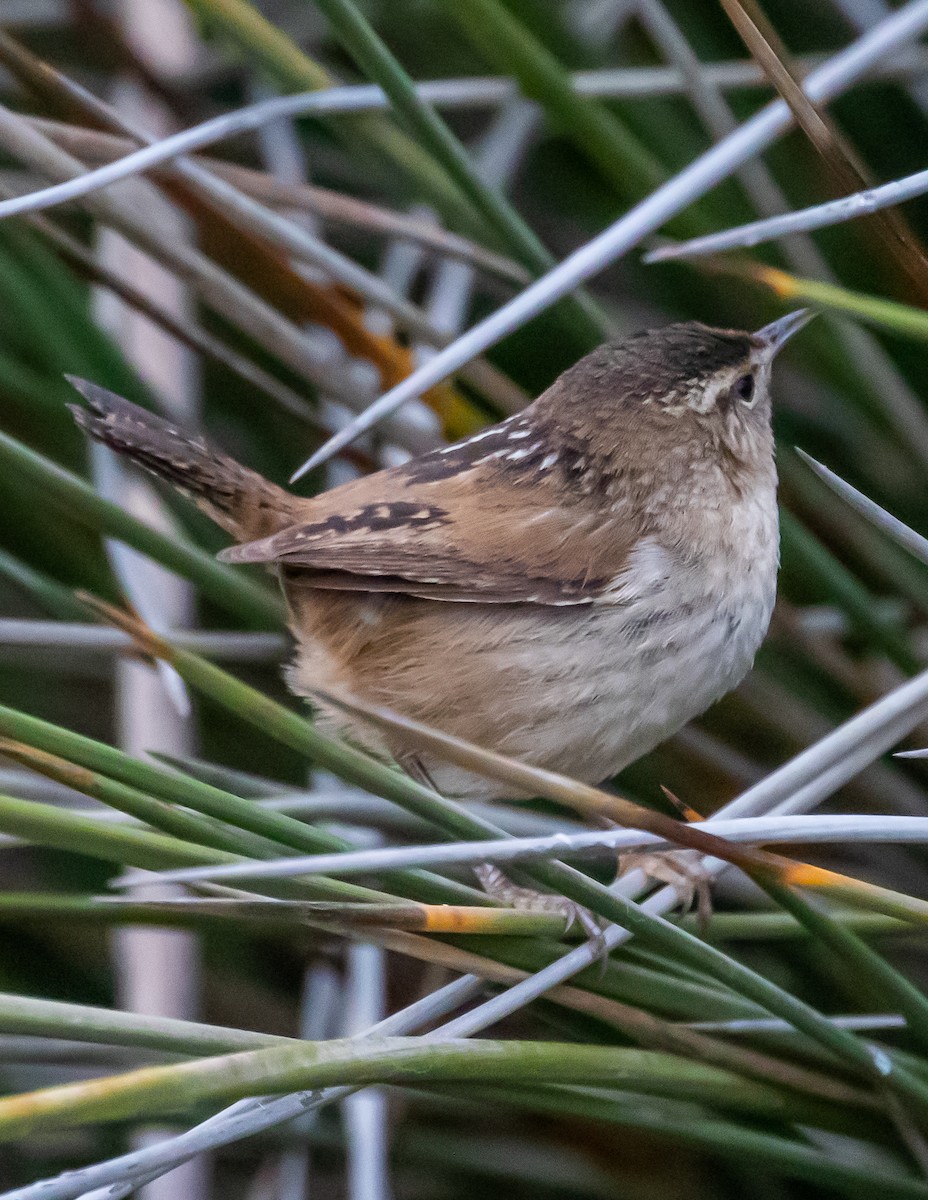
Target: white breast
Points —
{"points": [[684, 626]]}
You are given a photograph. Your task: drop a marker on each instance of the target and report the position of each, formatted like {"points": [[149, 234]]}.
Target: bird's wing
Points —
{"points": [[456, 530]]}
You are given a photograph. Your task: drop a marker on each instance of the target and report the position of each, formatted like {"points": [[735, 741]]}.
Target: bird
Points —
{"points": [[568, 587]]}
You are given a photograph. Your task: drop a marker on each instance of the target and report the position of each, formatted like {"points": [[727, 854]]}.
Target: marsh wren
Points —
{"points": [[568, 587]]}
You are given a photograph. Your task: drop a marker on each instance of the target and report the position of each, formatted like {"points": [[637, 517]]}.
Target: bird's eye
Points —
{"points": [[744, 388]]}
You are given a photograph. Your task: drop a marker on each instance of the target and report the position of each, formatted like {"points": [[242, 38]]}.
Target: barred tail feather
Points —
{"points": [[240, 500]]}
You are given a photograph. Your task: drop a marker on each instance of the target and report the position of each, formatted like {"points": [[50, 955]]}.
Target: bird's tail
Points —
{"points": [[240, 500]]}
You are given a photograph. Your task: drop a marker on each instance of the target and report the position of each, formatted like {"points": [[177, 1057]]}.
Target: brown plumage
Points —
{"points": [[241, 501], [568, 586]]}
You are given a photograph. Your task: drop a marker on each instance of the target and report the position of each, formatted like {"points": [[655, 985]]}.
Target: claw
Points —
{"points": [[593, 926], [682, 871], [496, 883]]}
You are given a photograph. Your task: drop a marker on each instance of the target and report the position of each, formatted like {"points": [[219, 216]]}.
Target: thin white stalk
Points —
{"points": [[234, 646], [896, 529], [860, 1023], [848, 208], [354, 807], [309, 203], [160, 598], [863, 14], [364, 1112], [594, 844], [335, 806], [717, 164]]}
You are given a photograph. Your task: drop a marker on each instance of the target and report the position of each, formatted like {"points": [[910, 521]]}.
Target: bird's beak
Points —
{"points": [[775, 335]]}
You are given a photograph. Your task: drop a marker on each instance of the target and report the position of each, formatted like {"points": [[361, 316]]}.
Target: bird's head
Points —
{"points": [[686, 391]]}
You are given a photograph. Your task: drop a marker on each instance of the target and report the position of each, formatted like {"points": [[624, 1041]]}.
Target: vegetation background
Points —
{"points": [[267, 291]]}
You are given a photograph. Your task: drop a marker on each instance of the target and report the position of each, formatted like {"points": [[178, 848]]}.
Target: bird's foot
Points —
{"points": [[497, 884], [683, 870]]}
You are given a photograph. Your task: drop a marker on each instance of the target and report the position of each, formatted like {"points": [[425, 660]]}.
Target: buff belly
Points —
{"points": [[580, 691]]}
